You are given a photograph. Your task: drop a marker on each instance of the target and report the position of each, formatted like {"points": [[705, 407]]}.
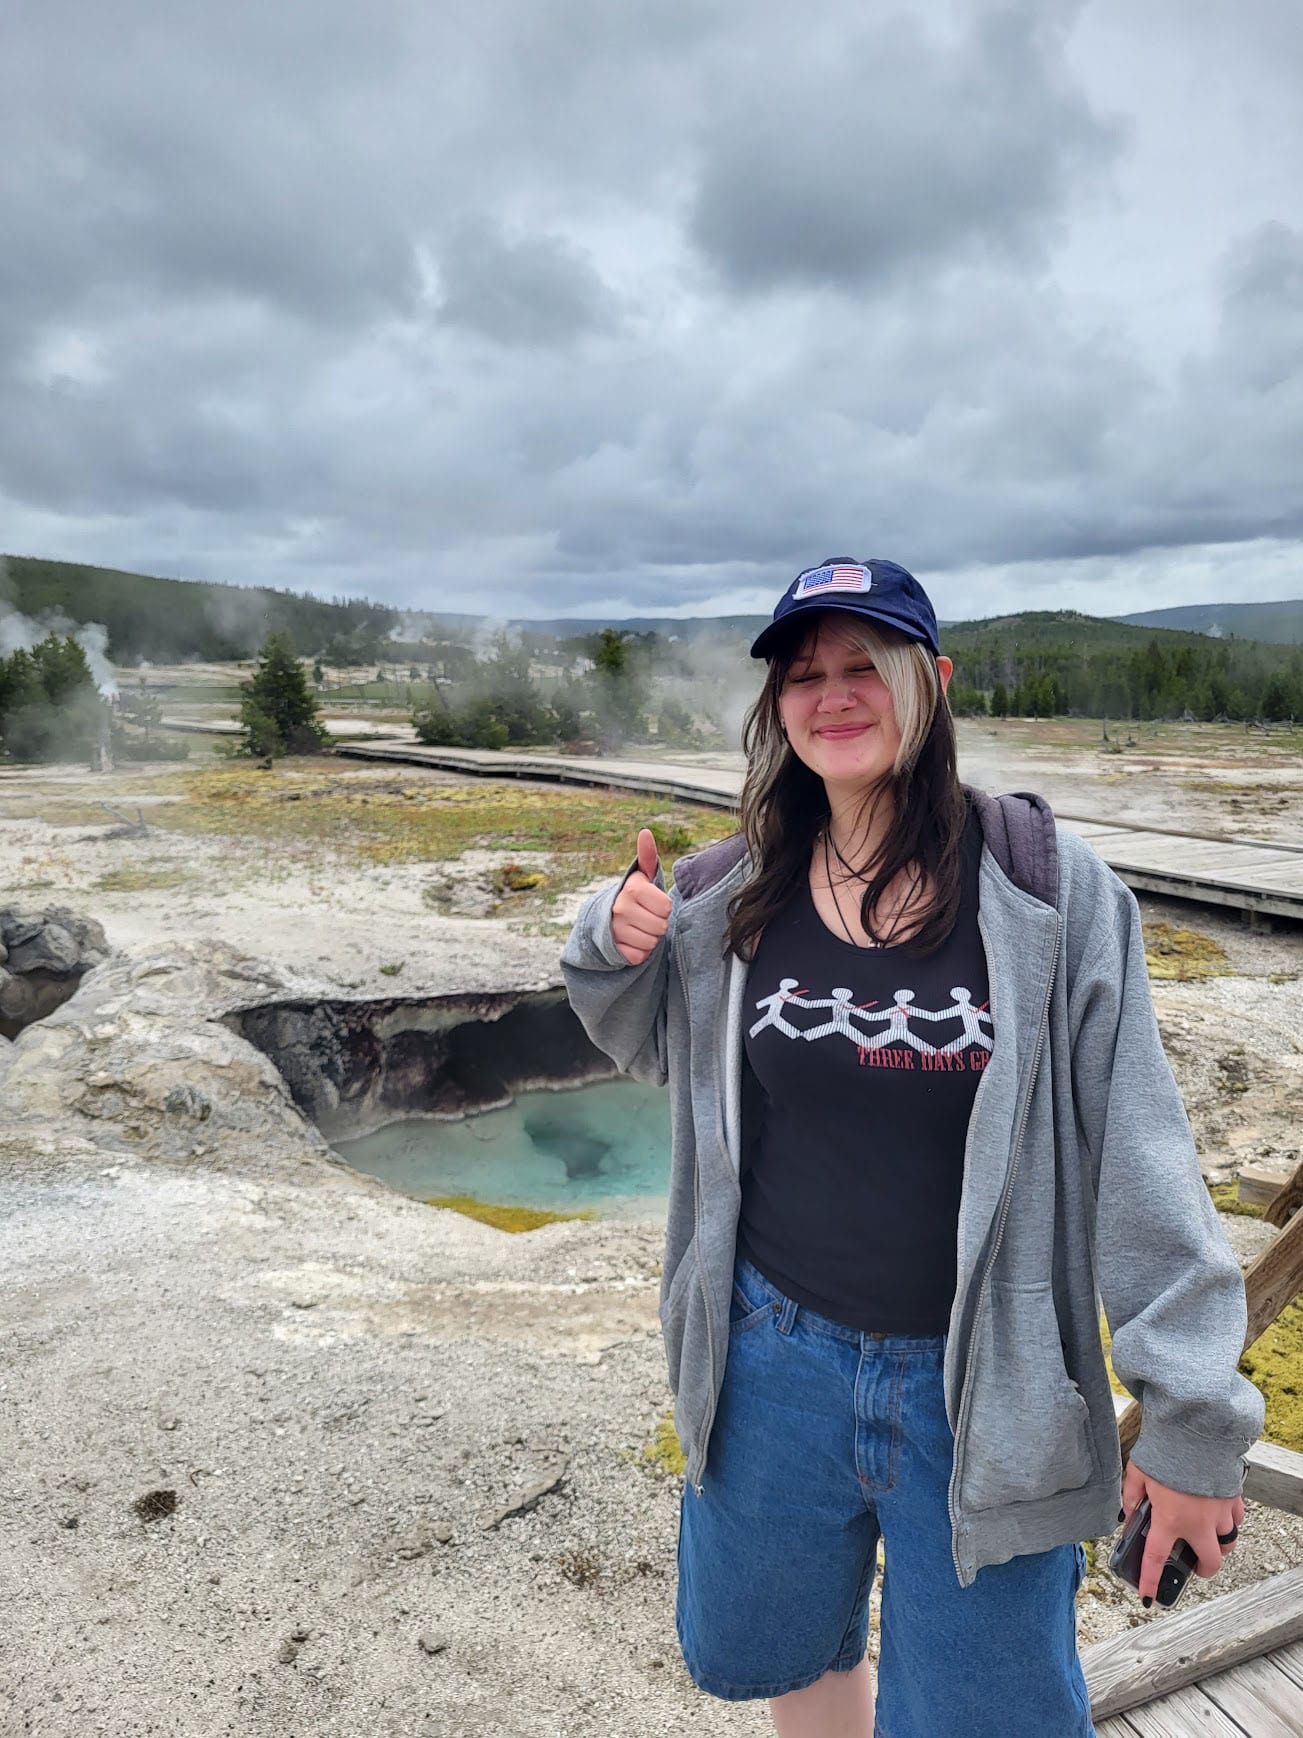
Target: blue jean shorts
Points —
{"points": [[826, 1439]]}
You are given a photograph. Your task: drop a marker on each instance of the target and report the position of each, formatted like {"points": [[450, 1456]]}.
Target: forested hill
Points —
{"points": [[170, 621], [1281, 623], [1036, 661], [1048, 661]]}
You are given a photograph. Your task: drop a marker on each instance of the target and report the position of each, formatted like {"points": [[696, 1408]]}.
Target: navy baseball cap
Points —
{"points": [[878, 590]]}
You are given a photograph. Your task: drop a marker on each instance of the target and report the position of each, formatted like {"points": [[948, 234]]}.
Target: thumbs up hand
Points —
{"points": [[641, 912]]}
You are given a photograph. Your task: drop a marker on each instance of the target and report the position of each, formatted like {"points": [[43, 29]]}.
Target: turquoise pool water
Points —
{"points": [[605, 1146]]}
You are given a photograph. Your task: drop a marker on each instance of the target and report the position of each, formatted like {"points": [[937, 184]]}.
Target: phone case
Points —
{"points": [[1128, 1554]]}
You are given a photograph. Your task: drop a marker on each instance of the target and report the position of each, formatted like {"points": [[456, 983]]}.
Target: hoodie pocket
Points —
{"points": [[1028, 1425]]}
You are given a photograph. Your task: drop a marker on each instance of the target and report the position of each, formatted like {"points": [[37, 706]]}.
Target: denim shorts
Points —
{"points": [[826, 1439]]}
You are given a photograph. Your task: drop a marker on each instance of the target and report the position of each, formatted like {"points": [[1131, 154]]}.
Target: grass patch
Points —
{"points": [[1233, 787], [1182, 955], [392, 971], [140, 880], [504, 1218], [586, 833]]}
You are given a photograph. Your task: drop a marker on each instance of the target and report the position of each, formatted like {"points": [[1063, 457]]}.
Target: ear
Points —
{"points": [[945, 669]]}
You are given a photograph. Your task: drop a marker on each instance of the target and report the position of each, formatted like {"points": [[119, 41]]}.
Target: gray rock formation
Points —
{"points": [[196, 1053], [44, 956]]}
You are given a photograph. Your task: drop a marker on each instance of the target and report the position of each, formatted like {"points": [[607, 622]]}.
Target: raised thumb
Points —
{"points": [[647, 853]]}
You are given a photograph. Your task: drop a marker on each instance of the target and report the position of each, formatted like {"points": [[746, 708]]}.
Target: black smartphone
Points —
{"points": [[1128, 1554]]}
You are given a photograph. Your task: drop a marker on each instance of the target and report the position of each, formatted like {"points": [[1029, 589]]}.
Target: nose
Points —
{"points": [[837, 695]]}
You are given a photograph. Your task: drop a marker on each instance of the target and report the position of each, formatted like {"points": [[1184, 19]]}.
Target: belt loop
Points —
{"points": [[787, 1316]]}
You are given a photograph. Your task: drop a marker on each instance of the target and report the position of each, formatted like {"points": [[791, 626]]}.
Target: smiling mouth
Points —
{"points": [[843, 729]]}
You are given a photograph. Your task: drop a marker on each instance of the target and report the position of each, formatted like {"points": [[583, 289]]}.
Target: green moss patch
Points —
{"points": [[663, 1453], [1183, 954], [503, 1218], [516, 878], [1226, 1199], [1274, 1364]]}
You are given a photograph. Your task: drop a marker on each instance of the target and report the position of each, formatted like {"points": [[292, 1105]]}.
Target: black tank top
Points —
{"points": [[868, 1060]]}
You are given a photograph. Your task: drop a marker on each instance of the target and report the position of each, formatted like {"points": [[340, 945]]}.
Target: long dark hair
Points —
{"points": [[784, 803]]}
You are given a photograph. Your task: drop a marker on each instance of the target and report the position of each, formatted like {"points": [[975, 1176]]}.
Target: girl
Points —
{"points": [[923, 1123]]}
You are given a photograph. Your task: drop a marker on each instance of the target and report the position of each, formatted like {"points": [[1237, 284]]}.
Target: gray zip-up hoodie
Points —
{"points": [[1081, 1182]]}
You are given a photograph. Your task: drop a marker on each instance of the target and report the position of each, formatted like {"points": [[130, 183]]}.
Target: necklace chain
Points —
{"points": [[827, 869], [858, 875]]}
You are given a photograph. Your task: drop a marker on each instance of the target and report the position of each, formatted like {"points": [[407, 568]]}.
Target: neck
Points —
{"points": [[858, 821]]}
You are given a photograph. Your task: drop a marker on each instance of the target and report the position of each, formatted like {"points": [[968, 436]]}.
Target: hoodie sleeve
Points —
{"points": [[1171, 1286], [621, 1007]]}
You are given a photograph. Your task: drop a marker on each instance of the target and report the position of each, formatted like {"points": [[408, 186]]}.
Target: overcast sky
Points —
{"points": [[546, 307]]}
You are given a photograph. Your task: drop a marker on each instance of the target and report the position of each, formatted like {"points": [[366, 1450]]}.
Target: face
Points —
{"points": [[838, 711]]}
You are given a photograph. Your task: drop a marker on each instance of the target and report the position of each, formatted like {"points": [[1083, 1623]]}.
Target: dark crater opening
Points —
{"points": [[354, 1066]]}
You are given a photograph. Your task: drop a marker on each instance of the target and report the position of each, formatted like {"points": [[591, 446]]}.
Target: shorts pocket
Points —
{"points": [[1028, 1424]]}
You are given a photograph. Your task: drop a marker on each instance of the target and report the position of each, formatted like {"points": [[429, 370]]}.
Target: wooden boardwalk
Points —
{"points": [[1262, 1698], [1230, 1667], [1248, 874], [1252, 876]]}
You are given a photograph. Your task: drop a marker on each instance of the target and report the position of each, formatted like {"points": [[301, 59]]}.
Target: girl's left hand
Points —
{"points": [[1179, 1515]]}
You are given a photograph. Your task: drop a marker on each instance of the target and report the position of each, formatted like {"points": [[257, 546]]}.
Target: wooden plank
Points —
{"points": [[1274, 1279], [1257, 1185], [1182, 1647], [1260, 1697], [1290, 1661], [1118, 1727], [1274, 1476], [1283, 875], [1215, 861], [1179, 1716], [1171, 886], [1152, 827], [1287, 1201]]}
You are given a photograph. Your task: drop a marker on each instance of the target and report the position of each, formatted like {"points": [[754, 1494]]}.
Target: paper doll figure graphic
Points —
{"points": [[839, 1004], [973, 1019], [898, 1031], [774, 1005]]}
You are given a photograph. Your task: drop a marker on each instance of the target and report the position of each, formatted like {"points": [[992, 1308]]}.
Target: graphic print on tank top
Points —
{"points": [[868, 1061], [861, 1024]]}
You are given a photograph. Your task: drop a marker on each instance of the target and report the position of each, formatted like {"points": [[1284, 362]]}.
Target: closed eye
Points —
{"points": [[814, 675]]}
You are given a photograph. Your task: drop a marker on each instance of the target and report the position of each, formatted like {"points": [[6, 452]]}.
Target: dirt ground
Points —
{"points": [[344, 1390]]}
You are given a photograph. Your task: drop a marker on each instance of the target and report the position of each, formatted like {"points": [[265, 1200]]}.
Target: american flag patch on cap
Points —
{"points": [[820, 579]]}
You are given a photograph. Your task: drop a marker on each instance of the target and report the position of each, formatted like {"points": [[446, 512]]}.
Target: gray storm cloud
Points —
{"points": [[641, 307]]}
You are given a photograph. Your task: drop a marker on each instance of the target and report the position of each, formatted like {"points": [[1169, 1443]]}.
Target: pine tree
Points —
{"points": [[50, 708], [279, 711]]}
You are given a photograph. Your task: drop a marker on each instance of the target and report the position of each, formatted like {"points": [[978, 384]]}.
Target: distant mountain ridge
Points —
{"points": [[1279, 624], [175, 620]]}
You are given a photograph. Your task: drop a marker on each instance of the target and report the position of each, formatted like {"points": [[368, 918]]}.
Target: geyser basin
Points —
{"points": [[462, 1095], [604, 1147]]}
